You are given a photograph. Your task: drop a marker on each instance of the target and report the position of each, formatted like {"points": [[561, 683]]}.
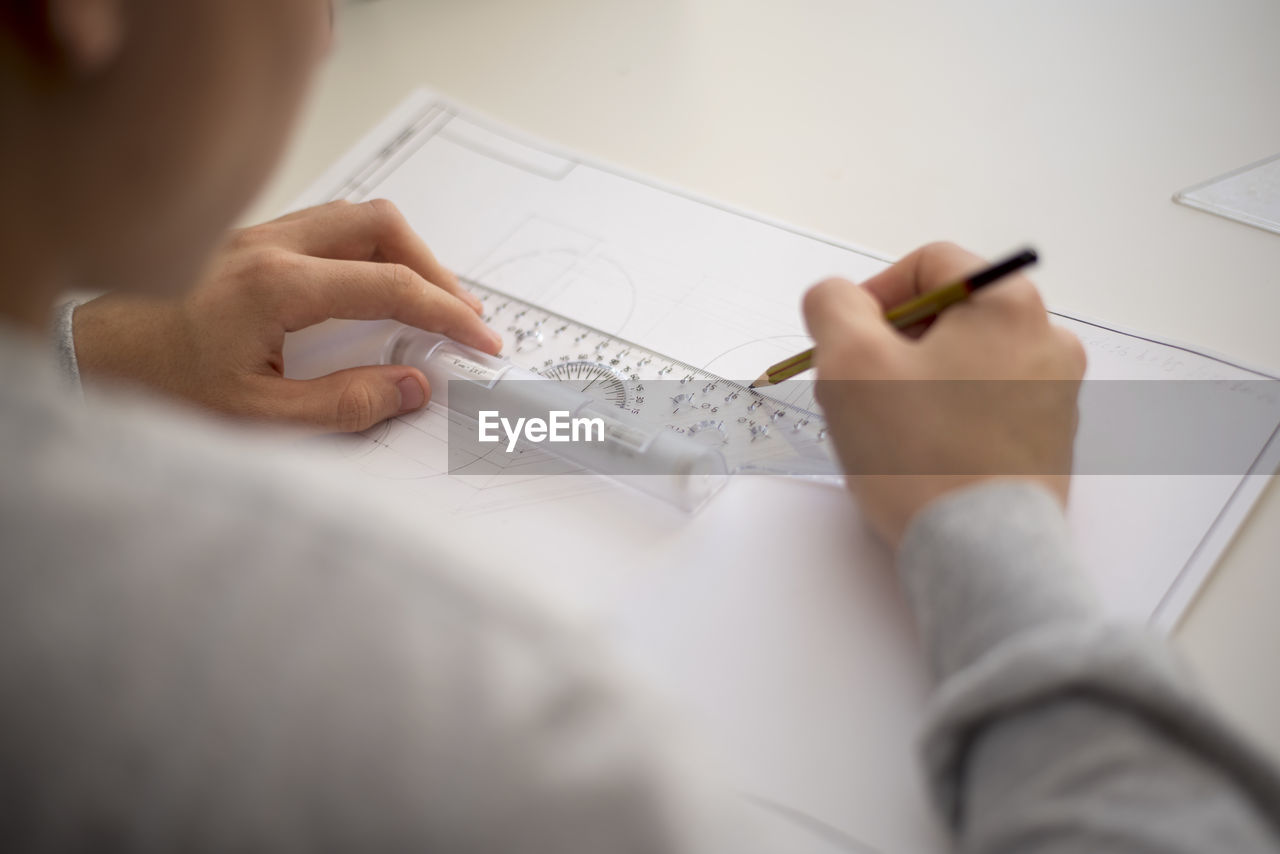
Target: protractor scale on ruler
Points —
{"points": [[753, 431]]}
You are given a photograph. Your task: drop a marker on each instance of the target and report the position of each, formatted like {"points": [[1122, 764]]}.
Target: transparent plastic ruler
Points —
{"points": [[755, 431]]}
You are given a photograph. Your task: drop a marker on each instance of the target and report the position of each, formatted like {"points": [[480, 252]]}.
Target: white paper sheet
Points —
{"points": [[770, 618]]}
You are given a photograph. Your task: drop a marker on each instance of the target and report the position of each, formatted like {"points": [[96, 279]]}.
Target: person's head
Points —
{"points": [[136, 130]]}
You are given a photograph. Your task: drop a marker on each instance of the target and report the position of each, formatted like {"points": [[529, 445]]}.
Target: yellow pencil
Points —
{"points": [[912, 312]]}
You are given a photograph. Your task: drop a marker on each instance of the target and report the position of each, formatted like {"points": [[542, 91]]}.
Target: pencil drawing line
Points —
{"points": [[753, 342]]}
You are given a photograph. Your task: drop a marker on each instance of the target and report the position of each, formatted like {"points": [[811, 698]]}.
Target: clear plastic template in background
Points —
{"points": [[1250, 195]]}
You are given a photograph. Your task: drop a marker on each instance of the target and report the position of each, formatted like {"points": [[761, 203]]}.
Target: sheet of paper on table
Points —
{"points": [[770, 618]]}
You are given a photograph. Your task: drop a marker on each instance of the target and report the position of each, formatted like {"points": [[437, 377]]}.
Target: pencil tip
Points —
{"points": [[761, 381]]}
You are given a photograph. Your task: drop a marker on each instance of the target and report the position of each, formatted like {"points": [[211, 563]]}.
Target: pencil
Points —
{"points": [[912, 312]]}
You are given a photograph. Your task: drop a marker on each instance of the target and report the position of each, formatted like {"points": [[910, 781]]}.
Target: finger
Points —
{"points": [[300, 214], [366, 290], [304, 213], [1072, 351], [1012, 303], [351, 400], [928, 268], [847, 323], [371, 231]]}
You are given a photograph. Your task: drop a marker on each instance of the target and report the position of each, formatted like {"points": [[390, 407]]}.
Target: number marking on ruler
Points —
{"points": [[753, 430]]}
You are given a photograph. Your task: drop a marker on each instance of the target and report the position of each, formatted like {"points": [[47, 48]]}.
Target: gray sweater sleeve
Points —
{"points": [[1051, 729], [64, 344]]}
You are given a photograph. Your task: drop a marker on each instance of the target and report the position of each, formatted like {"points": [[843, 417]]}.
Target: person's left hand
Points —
{"points": [[220, 346]]}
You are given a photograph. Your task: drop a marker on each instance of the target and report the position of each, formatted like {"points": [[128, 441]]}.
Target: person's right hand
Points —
{"points": [[987, 391]]}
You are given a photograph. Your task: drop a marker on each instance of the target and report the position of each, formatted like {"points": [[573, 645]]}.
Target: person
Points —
{"points": [[207, 644]]}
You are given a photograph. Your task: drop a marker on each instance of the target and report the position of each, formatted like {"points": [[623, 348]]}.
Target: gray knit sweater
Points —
{"points": [[206, 646]]}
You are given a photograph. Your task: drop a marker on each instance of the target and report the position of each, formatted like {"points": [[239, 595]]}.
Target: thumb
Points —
{"points": [[358, 398]]}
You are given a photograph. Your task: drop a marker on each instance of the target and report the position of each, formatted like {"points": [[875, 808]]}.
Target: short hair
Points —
{"points": [[28, 23]]}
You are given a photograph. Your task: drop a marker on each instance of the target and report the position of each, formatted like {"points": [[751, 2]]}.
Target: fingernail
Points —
{"points": [[473, 301], [497, 341], [412, 395]]}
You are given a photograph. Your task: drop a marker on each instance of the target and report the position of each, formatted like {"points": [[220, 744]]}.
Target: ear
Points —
{"points": [[88, 34]]}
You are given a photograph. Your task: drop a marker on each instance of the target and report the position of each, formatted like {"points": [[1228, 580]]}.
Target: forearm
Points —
{"points": [[136, 339], [1051, 731]]}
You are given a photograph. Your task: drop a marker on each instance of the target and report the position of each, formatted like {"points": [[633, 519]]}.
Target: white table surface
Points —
{"points": [[889, 125]]}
